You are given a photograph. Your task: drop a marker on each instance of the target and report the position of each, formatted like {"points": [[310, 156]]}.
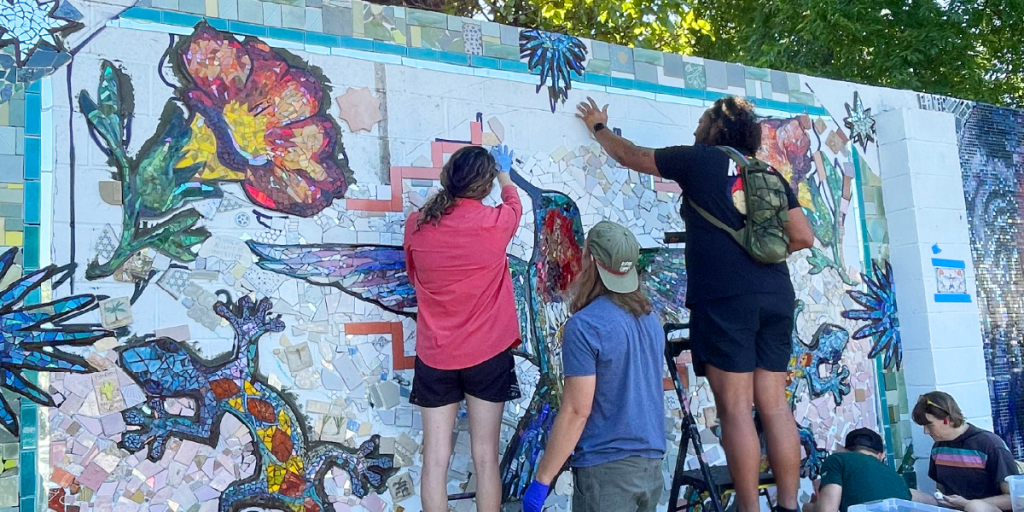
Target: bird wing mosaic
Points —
{"points": [[291, 466], [33, 334], [372, 273]]}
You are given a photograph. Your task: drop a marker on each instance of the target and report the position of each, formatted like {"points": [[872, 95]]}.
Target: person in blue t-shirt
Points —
{"points": [[611, 419]]}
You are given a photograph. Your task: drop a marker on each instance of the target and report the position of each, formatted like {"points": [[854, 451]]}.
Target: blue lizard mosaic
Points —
{"points": [[826, 348], [292, 467]]}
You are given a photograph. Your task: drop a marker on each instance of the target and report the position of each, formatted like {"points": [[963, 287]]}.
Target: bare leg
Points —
{"points": [[438, 423], [780, 434], [484, 430], [734, 399]]}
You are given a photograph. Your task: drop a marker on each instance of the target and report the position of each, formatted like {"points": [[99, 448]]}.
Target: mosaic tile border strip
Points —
{"points": [[431, 37], [33, 171]]}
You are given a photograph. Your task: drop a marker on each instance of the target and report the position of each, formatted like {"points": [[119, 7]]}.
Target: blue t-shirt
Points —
{"points": [[626, 354]]}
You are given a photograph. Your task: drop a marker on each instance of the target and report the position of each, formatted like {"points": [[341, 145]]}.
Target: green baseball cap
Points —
{"points": [[616, 252]]}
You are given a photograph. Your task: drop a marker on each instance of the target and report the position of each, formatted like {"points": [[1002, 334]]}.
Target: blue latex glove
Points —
{"points": [[503, 157], [533, 499]]}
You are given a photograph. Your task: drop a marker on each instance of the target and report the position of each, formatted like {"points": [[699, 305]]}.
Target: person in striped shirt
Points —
{"points": [[969, 465]]}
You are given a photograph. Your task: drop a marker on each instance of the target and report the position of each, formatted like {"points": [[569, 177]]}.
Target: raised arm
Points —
{"points": [[627, 154]]}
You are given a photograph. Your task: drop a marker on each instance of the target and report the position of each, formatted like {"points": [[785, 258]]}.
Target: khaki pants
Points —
{"points": [[632, 484]]}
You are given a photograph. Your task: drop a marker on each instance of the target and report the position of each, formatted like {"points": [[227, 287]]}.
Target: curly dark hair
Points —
{"points": [[469, 173], [731, 121]]}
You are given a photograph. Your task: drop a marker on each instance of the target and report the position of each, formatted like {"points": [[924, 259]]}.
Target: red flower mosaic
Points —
{"points": [[260, 119]]}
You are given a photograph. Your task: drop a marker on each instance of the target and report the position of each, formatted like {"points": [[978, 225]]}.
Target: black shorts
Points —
{"points": [[741, 333], [493, 380]]}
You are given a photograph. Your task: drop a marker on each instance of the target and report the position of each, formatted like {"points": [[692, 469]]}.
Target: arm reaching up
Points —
{"points": [[624, 152]]}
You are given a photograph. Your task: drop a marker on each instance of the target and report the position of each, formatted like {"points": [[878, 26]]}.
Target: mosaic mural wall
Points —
{"points": [[992, 160], [238, 330]]}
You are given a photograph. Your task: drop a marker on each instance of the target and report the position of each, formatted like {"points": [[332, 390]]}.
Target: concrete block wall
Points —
{"points": [[924, 201]]}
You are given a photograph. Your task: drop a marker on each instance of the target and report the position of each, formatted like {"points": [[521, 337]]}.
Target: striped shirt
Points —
{"points": [[973, 465]]}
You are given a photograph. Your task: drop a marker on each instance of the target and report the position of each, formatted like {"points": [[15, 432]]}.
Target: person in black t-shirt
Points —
{"points": [[969, 465], [741, 311]]}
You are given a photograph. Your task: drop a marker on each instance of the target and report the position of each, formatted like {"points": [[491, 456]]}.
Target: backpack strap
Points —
{"points": [[736, 156], [737, 235]]}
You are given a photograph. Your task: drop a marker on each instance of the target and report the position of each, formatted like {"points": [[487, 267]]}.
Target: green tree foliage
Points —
{"points": [[970, 49], [964, 50]]}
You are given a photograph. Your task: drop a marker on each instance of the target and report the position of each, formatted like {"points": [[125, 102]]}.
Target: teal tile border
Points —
{"points": [[29, 483], [801, 102]]}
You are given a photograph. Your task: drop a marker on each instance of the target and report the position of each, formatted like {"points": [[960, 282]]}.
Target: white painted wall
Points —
{"points": [[924, 202]]}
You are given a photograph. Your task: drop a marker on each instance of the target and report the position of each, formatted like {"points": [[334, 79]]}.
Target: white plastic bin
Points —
{"points": [[895, 505], [1016, 492]]}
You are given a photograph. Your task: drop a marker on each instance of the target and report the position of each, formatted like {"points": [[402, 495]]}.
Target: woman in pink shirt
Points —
{"points": [[466, 323]]}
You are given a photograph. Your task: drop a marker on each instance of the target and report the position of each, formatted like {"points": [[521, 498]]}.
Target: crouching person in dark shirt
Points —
{"points": [[859, 475], [969, 465]]}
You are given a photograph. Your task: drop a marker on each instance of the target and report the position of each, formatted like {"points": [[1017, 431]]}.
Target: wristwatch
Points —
{"points": [[598, 127]]}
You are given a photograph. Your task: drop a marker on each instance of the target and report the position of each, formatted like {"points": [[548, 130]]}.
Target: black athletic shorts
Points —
{"points": [[493, 380], [738, 334]]}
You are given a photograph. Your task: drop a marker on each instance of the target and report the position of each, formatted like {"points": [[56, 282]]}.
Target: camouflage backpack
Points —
{"points": [[763, 235]]}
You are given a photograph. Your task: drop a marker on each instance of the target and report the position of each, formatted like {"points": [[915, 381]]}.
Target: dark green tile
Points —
{"points": [[32, 246]]}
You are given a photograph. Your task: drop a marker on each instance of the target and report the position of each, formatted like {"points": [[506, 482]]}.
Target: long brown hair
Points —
{"points": [[731, 121], [588, 287], [469, 174]]}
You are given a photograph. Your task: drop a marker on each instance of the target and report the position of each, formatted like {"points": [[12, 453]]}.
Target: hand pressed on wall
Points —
{"points": [[591, 114]]}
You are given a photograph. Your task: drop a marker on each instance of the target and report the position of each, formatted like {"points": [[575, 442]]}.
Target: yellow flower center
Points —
{"points": [[248, 131]]}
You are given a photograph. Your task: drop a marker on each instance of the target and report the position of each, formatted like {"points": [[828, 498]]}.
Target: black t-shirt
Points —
{"points": [[716, 265], [973, 465]]}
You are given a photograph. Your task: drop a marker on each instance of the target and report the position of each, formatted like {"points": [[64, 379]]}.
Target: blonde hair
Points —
{"points": [[588, 287]]}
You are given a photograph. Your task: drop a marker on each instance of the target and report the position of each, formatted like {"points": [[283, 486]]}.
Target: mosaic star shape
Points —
{"points": [[860, 122], [27, 24], [359, 109]]}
